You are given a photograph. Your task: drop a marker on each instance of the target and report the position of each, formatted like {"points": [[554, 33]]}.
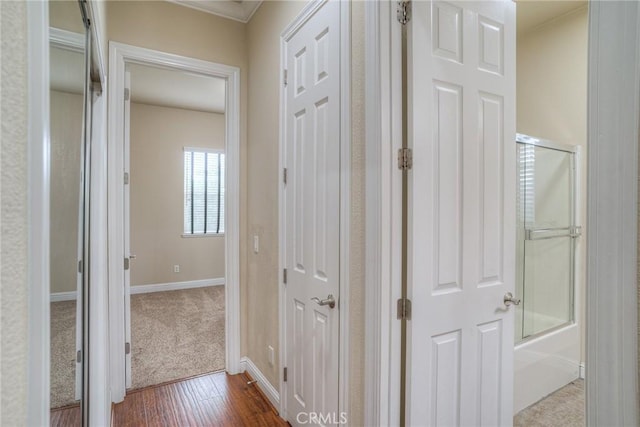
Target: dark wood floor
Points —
{"points": [[68, 416], [209, 400]]}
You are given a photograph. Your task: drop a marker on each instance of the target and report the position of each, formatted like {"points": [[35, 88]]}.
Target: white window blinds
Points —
{"points": [[203, 191]]}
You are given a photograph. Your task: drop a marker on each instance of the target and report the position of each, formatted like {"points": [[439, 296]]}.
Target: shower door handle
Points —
{"points": [[509, 299]]}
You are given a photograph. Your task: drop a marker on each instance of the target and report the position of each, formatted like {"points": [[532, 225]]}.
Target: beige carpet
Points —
{"points": [[176, 334], [564, 408], [63, 353]]}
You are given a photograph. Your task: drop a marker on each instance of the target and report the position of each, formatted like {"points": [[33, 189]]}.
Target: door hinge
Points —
{"points": [[284, 77], [126, 94], [404, 12], [284, 175], [126, 263], [79, 356], [80, 266], [127, 348], [126, 178], [405, 159], [284, 276], [284, 375], [404, 309]]}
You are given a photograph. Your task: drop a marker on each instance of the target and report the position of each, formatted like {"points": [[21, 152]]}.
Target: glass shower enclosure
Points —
{"points": [[546, 235]]}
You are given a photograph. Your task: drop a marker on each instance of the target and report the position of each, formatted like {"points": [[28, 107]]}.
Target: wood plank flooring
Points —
{"points": [[208, 400], [66, 417]]}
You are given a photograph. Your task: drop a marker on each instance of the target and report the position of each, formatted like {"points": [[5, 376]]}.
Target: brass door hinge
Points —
{"points": [[405, 158], [404, 309], [404, 12]]}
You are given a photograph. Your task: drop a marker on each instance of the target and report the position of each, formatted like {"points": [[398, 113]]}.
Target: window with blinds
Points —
{"points": [[203, 191]]}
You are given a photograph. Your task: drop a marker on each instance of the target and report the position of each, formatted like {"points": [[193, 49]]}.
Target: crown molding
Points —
{"points": [[241, 11]]}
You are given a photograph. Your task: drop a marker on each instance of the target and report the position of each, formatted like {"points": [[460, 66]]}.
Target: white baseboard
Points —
{"points": [[246, 365], [176, 286], [583, 369], [144, 289], [63, 296]]}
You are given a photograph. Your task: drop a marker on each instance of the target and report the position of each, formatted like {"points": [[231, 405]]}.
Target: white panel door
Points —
{"points": [[461, 123], [312, 196]]}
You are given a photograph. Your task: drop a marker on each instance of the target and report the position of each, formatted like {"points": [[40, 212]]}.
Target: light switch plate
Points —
{"points": [[271, 356]]}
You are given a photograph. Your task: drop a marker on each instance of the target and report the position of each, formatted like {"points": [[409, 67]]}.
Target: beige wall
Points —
{"points": [[552, 101], [158, 136], [13, 214], [357, 255], [66, 139], [66, 15], [263, 41]]}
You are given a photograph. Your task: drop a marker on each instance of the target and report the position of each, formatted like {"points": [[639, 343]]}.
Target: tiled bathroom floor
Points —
{"points": [[564, 408]]}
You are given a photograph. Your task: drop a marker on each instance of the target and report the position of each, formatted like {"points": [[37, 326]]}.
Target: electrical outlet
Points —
{"points": [[256, 244], [176, 269], [272, 356]]}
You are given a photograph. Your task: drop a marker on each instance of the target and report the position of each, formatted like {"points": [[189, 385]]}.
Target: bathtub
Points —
{"points": [[546, 363]]}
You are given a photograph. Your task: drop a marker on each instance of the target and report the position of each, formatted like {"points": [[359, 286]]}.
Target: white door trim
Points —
{"points": [[383, 201], [612, 220], [380, 20], [38, 279], [119, 54], [345, 198]]}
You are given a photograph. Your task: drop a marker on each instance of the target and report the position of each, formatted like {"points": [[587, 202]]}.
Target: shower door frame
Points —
{"points": [[548, 360], [575, 228]]}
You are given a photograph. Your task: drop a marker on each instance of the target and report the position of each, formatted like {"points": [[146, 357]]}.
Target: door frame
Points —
{"points": [[38, 219], [345, 200], [38, 194], [612, 216], [119, 55], [383, 205], [613, 163]]}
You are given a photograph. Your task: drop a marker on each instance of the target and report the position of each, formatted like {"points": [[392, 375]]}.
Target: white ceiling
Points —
{"points": [[169, 88], [238, 10], [149, 85], [533, 13]]}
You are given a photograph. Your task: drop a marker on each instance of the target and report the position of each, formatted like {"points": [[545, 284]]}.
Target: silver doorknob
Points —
{"points": [[509, 299], [132, 257], [328, 301]]}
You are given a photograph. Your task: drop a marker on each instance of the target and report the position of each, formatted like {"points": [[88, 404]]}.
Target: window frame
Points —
{"points": [[207, 150]]}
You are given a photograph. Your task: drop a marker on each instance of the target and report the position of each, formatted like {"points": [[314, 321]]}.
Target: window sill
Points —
{"points": [[196, 236]]}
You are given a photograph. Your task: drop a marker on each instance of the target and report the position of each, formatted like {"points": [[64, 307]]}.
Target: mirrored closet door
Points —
{"points": [[68, 209]]}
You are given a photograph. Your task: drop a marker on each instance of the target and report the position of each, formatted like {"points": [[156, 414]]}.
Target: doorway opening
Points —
{"points": [[551, 205], [174, 224], [175, 139]]}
